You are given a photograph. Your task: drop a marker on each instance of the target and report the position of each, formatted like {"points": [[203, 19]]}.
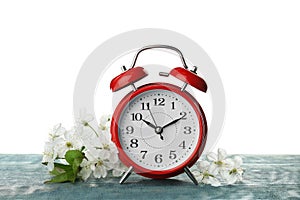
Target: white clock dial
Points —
{"points": [[158, 129]]}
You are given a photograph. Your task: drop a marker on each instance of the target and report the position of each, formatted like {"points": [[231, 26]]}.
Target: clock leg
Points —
{"points": [[190, 175], [126, 175]]}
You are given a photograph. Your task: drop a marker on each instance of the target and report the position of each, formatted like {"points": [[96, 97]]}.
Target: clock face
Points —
{"points": [[159, 129]]}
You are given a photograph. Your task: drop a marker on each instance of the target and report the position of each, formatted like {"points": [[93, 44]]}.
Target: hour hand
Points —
{"points": [[149, 124]]}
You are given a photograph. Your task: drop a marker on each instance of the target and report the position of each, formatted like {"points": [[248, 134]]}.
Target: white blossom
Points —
{"points": [[86, 169], [206, 174], [98, 164], [101, 167], [235, 173], [105, 148], [56, 132], [83, 123], [105, 121], [102, 156], [218, 168], [84, 118], [118, 169], [49, 155], [219, 161], [70, 141]]}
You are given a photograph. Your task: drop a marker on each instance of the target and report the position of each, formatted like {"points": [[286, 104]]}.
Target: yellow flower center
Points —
{"points": [[102, 127], [206, 174], [48, 154], [84, 123], [219, 163], [100, 163], [233, 171], [69, 145], [106, 147]]}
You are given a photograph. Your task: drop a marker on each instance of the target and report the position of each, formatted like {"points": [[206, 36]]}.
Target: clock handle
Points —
{"points": [[160, 46], [183, 74]]}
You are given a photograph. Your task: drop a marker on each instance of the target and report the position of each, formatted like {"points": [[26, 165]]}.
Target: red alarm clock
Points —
{"points": [[159, 128]]}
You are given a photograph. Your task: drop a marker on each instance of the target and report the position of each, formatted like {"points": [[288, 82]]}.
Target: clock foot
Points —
{"points": [[190, 175], [126, 175]]}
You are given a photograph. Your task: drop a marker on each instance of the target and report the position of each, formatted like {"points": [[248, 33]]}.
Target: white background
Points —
{"points": [[255, 46]]}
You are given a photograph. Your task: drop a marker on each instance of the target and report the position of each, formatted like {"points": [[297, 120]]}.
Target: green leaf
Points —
{"points": [[64, 177], [76, 165], [57, 171], [74, 157], [60, 168], [73, 154], [67, 173]]}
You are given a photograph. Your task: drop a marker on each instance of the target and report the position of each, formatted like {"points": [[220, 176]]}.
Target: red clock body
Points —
{"points": [[159, 130]]}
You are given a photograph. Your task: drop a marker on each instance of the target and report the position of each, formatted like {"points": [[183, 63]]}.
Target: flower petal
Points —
{"points": [[50, 165], [238, 161], [89, 118], [229, 163], [221, 154], [202, 165], [214, 182], [211, 156], [231, 179], [85, 173], [213, 169], [98, 172]]}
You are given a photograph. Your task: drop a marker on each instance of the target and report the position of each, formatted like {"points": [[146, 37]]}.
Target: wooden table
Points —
{"points": [[266, 177]]}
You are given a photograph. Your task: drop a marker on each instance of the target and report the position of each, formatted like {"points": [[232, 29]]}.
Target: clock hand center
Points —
{"points": [[158, 130]]}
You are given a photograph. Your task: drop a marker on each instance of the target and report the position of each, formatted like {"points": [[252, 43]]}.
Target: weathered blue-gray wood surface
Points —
{"points": [[266, 177]]}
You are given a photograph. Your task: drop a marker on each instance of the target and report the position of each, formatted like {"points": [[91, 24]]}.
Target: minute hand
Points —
{"points": [[172, 122]]}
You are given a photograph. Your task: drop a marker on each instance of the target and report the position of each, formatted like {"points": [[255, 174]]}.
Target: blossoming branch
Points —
{"points": [[85, 151]]}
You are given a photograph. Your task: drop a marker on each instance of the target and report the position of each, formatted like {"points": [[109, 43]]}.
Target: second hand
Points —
{"points": [[152, 117]]}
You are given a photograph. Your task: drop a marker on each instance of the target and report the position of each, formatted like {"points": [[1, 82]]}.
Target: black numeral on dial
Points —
{"points": [[182, 144], [183, 114], [134, 143], [187, 130], [129, 130], [144, 154], [159, 101], [136, 116], [173, 105], [172, 155], [158, 158], [145, 106]]}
